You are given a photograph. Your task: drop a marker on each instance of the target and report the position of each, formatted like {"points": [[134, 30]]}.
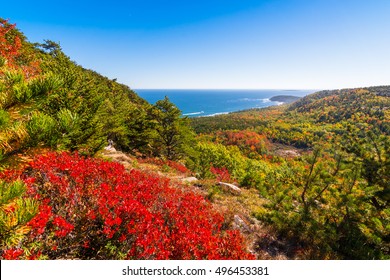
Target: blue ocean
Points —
{"points": [[198, 103]]}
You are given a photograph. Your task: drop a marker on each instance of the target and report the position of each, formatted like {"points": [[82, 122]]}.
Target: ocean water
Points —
{"points": [[198, 103]]}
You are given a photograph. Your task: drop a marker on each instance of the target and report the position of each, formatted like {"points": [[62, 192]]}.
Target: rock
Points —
{"points": [[189, 179], [110, 148], [240, 224], [230, 187]]}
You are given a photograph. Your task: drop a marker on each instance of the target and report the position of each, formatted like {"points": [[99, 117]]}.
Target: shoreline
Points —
{"points": [[278, 99]]}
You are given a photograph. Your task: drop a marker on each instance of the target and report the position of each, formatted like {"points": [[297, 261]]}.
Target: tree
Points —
{"points": [[172, 133]]}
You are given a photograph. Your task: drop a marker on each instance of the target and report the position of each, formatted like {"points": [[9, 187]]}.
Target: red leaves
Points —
{"points": [[12, 254], [38, 223], [87, 204], [11, 48], [9, 43], [63, 228], [222, 174], [248, 141]]}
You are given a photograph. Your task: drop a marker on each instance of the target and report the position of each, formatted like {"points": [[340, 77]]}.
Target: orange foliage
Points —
{"points": [[246, 140], [11, 49]]}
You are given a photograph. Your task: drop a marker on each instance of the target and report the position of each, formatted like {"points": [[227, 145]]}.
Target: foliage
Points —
{"points": [[221, 174], [16, 211], [172, 134], [249, 142], [91, 209], [325, 203], [333, 199], [15, 53], [218, 156], [66, 107]]}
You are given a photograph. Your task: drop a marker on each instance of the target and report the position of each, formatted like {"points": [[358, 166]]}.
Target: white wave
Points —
{"points": [[279, 103], [195, 113], [264, 100], [216, 114]]}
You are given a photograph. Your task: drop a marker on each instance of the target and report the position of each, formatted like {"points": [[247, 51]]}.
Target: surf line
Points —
{"points": [[195, 113]]}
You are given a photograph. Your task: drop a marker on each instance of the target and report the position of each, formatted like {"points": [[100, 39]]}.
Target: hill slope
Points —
{"points": [[48, 101], [323, 163]]}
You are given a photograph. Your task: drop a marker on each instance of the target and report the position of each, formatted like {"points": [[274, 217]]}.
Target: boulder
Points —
{"points": [[230, 187]]}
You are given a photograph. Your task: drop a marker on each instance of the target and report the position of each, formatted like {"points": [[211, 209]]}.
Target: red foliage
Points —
{"points": [[11, 49], [222, 174], [246, 140], [9, 44], [12, 254], [88, 203], [39, 222], [63, 227]]}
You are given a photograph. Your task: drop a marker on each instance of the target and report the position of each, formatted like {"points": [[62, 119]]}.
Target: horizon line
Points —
{"points": [[284, 89]]}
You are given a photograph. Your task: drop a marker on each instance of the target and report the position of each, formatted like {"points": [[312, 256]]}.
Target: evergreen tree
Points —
{"points": [[172, 133]]}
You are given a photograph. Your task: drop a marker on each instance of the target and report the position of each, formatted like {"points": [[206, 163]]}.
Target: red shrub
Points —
{"points": [[17, 56], [248, 141], [91, 209], [222, 174], [12, 254]]}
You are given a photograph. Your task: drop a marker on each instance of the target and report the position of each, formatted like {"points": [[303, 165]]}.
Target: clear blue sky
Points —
{"points": [[290, 44]]}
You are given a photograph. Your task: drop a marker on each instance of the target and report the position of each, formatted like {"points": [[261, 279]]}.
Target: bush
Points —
{"points": [[220, 156], [15, 212], [41, 128], [91, 209]]}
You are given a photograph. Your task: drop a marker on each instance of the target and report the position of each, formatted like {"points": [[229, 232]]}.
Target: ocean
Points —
{"points": [[200, 103]]}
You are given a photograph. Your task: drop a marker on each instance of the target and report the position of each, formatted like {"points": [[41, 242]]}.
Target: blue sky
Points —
{"points": [[235, 44]]}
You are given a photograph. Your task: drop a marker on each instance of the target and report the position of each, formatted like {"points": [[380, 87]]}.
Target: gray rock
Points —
{"points": [[110, 148], [240, 224], [230, 187]]}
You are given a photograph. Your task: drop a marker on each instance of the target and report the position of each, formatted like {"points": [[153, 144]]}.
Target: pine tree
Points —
{"points": [[172, 133]]}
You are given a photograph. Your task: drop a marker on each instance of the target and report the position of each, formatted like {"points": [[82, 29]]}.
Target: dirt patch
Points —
{"points": [[286, 151]]}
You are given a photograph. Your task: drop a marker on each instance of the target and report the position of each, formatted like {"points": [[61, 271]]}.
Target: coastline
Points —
{"points": [[209, 103]]}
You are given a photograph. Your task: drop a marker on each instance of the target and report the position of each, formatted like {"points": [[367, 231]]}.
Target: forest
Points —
{"points": [[312, 177]]}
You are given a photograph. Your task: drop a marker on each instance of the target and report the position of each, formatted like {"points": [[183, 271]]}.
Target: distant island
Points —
{"points": [[284, 98]]}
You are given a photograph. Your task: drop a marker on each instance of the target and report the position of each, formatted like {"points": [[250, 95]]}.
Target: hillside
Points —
{"points": [[323, 163], [48, 101], [284, 98], [342, 105]]}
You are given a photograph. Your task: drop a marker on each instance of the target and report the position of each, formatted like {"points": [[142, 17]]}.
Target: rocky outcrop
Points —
{"points": [[230, 187]]}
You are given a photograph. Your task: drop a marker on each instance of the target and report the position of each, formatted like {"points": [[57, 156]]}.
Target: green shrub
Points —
{"points": [[41, 129], [4, 118], [15, 212]]}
